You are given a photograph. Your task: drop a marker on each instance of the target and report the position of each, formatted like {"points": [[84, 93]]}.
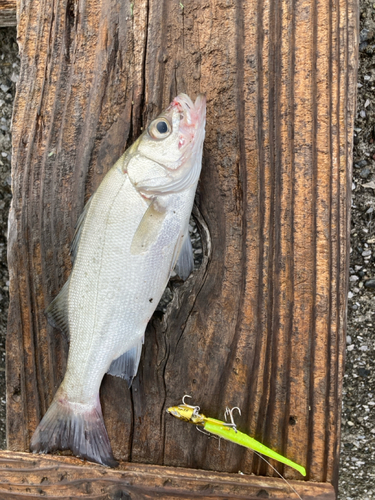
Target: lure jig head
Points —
{"points": [[228, 431]]}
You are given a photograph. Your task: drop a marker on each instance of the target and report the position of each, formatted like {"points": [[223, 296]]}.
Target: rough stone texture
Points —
{"points": [[357, 471], [9, 70]]}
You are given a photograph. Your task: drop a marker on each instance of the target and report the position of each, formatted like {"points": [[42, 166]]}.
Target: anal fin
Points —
{"points": [[126, 365]]}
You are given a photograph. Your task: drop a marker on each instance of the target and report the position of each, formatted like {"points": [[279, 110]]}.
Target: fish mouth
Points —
{"points": [[187, 120], [193, 118]]}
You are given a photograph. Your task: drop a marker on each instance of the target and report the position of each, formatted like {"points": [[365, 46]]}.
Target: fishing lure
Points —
{"points": [[228, 431]]}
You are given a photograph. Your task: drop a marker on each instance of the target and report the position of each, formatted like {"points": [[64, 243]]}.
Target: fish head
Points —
{"points": [[168, 155]]}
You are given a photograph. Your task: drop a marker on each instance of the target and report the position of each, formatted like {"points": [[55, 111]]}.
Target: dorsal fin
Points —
{"points": [[57, 311], [78, 230]]}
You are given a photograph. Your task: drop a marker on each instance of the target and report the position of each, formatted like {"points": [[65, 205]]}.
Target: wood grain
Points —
{"points": [[25, 476], [8, 16], [261, 324]]}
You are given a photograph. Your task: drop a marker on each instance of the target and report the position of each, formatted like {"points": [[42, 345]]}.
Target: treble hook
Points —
{"points": [[195, 408], [204, 432], [229, 413]]}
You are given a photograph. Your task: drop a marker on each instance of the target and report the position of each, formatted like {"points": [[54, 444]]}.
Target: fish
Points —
{"points": [[132, 234]]}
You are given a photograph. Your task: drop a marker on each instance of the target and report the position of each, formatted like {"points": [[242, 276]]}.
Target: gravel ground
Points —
{"points": [[9, 69], [357, 472]]}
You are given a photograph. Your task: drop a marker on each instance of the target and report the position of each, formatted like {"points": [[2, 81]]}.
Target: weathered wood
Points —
{"points": [[261, 324], [8, 14], [30, 476]]}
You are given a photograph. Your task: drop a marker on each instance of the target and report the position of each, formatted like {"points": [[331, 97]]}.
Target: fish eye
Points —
{"points": [[160, 128]]}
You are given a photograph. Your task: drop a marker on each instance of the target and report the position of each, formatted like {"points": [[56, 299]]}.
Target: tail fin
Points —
{"points": [[76, 427]]}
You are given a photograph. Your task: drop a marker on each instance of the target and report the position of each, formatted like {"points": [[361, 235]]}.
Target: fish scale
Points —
{"points": [[132, 233], [120, 315]]}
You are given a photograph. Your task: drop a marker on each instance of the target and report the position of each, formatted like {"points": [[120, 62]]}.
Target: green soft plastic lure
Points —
{"points": [[228, 431]]}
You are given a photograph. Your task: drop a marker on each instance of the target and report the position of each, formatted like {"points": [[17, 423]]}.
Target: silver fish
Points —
{"points": [[132, 234]]}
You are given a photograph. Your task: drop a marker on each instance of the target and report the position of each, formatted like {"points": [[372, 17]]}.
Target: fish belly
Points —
{"points": [[112, 293]]}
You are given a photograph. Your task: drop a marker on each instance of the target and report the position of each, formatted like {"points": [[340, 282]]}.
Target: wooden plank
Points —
{"points": [[261, 324], [8, 14], [29, 476]]}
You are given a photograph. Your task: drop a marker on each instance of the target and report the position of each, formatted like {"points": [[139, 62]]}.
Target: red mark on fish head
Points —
{"points": [[177, 104]]}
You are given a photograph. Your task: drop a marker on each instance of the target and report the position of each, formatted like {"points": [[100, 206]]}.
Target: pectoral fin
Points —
{"points": [[148, 229]]}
